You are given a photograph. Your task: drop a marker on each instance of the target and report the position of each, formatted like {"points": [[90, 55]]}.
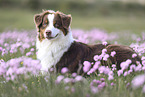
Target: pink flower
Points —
{"points": [[96, 57], [95, 82], [46, 78], [106, 56], [32, 49], [129, 71], [28, 54], [66, 80], [143, 68], [108, 71], [64, 70], [134, 55], [138, 81], [91, 71], [88, 95], [51, 69], [101, 86], [102, 79], [21, 70], [12, 77], [59, 78], [138, 39], [110, 77], [94, 90], [3, 52], [113, 67], [72, 89], [1, 49], [2, 70], [96, 65], [143, 62], [132, 67], [24, 86], [67, 87], [125, 65], [128, 61], [125, 73], [11, 51], [112, 84], [127, 85], [105, 43], [104, 51], [74, 74], [138, 68], [26, 45], [79, 78], [102, 69], [143, 58], [119, 72], [9, 72], [113, 53], [87, 66]]}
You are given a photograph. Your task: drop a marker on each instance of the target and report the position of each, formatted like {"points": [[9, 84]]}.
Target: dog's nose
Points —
{"points": [[48, 33]]}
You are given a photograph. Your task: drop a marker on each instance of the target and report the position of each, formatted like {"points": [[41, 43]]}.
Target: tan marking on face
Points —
{"points": [[41, 35], [42, 27]]}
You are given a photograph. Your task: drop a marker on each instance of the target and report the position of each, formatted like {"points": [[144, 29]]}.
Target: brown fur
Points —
{"points": [[62, 22], [79, 52], [122, 54], [40, 20]]}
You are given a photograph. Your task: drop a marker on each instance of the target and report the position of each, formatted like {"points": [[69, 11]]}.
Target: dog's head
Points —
{"points": [[51, 25]]}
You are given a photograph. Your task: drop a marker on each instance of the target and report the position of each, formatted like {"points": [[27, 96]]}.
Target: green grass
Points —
{"points": [[133, 24], [23, 20], [38, 87], [16, 19]]}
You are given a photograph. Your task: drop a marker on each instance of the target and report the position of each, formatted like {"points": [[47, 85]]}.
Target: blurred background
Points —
{"points": [[109, 15]]}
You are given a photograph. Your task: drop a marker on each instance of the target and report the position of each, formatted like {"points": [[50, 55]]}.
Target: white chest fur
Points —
{"points": [[50, 52]]}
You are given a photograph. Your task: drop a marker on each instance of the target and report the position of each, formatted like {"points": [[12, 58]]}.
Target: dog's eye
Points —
{"points": [[45, 23]]}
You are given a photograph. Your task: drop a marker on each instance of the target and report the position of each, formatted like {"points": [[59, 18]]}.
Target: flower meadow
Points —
{"points": [[20, 74]]}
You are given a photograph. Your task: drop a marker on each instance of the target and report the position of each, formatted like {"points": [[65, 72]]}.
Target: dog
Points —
{"points": [[57, 48]]}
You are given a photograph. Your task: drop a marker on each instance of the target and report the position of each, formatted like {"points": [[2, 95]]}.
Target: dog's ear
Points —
{"points": [[38, 20], [65, 19]]}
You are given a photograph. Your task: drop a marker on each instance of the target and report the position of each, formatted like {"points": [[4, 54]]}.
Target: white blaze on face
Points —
{"points": [[54, 31]]}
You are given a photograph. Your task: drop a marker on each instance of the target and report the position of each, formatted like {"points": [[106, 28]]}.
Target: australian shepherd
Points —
{"points": [[57, 47]]}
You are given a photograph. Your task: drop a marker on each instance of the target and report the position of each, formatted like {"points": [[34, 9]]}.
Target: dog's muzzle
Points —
{"points": [[49, 35]]}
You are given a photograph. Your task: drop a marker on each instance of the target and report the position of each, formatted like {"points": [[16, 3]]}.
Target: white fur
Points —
{"points": [[50, 27], [50, 51], [51, 11]]}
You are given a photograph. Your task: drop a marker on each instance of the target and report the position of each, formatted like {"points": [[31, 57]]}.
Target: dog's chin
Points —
{"points": [[51, 38]]}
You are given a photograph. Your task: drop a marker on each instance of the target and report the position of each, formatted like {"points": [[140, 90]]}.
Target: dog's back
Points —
{"points": [[79, 52], [122, 54]]}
